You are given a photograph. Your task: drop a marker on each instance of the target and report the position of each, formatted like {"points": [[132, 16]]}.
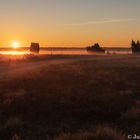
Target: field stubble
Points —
{"points": [[81, 100]]}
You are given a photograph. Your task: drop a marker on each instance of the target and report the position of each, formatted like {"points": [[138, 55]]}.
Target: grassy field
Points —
{"points": [[83, 99]]}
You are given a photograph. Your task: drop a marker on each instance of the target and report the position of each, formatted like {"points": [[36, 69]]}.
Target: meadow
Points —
{"points": [[70, 98]]}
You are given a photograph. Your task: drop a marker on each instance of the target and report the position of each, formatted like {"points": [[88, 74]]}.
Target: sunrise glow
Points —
{"points": [[111, 23], [15, 44]]}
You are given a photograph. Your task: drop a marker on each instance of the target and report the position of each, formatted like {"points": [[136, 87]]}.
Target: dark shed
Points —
{"points": [[35, 47]]}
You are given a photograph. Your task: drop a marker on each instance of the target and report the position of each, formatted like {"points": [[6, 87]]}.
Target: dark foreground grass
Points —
{"points": [[86, 100], [100, 133]]}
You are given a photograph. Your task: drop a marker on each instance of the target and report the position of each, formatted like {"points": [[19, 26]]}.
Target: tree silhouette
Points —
{"points": [[138, 43], [133, 43], [135, 46], [95, 48]]}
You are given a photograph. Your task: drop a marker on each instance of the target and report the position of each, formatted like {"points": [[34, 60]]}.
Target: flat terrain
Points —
{"points": [[70, 97]]}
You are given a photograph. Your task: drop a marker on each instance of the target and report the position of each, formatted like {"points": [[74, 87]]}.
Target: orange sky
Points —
{"points": [[64, 23]]}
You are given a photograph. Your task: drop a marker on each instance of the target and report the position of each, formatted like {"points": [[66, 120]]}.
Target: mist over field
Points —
{"points": [[70, 97]]}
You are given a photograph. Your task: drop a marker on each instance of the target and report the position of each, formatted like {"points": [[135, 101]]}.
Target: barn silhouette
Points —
{"points": [[35, 47]]}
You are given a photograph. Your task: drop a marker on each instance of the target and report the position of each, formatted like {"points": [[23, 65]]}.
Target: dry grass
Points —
{"points": [[100, 133], [132, 114], [65, 98]]}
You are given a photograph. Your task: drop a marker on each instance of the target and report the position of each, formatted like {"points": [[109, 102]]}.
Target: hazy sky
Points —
{"points": [[71, 23]]}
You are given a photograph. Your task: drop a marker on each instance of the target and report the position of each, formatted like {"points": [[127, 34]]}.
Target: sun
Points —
{"points": [[15, 44]]}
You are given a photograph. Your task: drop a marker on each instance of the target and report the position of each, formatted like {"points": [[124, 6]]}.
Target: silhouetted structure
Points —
{"points": [[135, 46], [34, 48], [95, 48]]}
